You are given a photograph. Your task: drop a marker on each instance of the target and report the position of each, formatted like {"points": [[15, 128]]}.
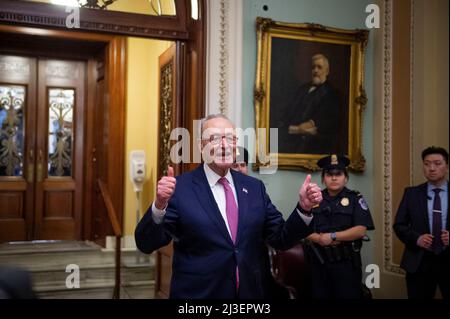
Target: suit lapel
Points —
{"points": [[207, 201], [423, 204], [242, 198]]}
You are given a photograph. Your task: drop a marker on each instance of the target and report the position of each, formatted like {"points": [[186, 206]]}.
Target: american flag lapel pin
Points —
{"points": [[245, 190]]}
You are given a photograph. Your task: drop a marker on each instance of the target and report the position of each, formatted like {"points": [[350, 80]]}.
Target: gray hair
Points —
{"points": [[210, 117], [320, 56]]}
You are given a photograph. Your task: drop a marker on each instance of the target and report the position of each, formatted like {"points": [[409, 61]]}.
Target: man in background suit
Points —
{"points": [[219, 219], [422, 225]]}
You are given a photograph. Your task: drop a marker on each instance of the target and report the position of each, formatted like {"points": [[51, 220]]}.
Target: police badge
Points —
{"points": [[345, 201], [363, 204]]}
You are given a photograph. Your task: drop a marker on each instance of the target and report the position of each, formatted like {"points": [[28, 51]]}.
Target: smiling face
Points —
{"points": [[435, 168], [218, 144]]}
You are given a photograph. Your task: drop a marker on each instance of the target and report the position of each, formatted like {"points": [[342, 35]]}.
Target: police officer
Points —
{"points": [[340, 223]]}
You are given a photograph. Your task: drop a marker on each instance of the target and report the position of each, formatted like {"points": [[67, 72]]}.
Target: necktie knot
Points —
{"points": [[225, 184], [437, 191], [223, 181]]}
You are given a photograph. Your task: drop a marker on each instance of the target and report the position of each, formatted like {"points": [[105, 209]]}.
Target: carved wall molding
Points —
{"points": [[14, 65], [224, 59], [411, 97], [389, 265], [165, 111], [62, 70]]}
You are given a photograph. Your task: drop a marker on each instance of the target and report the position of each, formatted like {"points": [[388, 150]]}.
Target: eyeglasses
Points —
{"points": [[216, 139]]}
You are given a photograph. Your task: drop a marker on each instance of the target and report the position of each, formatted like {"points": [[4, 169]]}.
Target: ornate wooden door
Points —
{"points": [[41, 148]]}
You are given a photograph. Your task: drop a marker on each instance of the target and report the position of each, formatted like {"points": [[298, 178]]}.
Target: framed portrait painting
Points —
{"points": [[309, 94]]}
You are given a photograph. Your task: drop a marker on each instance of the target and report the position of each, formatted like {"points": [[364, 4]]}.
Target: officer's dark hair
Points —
{"points": [[324, 171], [243, 155], [435, 150]]}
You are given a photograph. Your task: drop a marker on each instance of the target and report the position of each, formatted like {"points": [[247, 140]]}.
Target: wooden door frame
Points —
{"points": [[115, 61], [181, 28], [192, 87]]}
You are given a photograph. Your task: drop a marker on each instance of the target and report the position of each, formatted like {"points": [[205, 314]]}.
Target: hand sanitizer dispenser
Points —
{"points": [[137, 169]]}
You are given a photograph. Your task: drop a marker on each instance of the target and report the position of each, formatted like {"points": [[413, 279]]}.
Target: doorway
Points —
{"points": [[41, 147]]}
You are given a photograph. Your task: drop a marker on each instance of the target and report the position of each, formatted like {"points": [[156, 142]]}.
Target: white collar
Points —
{"points": [[213, 177]]}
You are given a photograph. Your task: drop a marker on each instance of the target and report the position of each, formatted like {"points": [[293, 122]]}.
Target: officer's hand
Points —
{"points": [[444, 237], [165, 189], [425, 241], [314, 237], [310, 194], [325, 239]]}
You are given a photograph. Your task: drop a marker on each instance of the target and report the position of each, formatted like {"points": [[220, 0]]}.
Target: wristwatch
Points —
{"points": [[333, 236]]}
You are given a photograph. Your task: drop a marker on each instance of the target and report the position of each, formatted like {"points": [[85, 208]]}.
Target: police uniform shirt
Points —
{"points": [[341, 212]]}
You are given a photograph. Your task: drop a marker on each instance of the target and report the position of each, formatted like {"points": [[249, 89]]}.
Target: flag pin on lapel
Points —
{"points": [[245, 190]]}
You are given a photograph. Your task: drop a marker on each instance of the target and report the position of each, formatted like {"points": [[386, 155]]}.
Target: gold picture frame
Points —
{"points": [[286, 53]]}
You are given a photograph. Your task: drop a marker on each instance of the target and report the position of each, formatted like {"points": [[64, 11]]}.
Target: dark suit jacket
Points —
{"points": [[205, 258], [411, 222]]}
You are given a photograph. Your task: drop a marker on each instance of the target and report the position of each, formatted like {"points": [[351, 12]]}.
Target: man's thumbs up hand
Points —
{"points": [[310, 194], [165, 189]]}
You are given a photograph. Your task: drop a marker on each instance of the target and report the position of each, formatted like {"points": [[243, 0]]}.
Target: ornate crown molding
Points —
{"points": [[46, 15], [223, 60]]}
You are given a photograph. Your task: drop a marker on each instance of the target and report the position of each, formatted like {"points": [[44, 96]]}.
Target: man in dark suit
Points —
{"points": [[311, 123], [219, 220], [422, 225]]}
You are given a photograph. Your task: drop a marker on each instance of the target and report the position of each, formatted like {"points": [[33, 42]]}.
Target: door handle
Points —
{"points": [[30, 172], [39, 172]]}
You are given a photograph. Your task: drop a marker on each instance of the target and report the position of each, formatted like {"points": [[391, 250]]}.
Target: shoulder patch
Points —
{"points": [[363, 203]]}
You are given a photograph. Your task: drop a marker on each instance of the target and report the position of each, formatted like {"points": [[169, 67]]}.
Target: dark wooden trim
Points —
{"points": [[116, 93], [57, 34], [89, 151], [112, 214], [103, 21], [401, 110], [195, 75]]}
